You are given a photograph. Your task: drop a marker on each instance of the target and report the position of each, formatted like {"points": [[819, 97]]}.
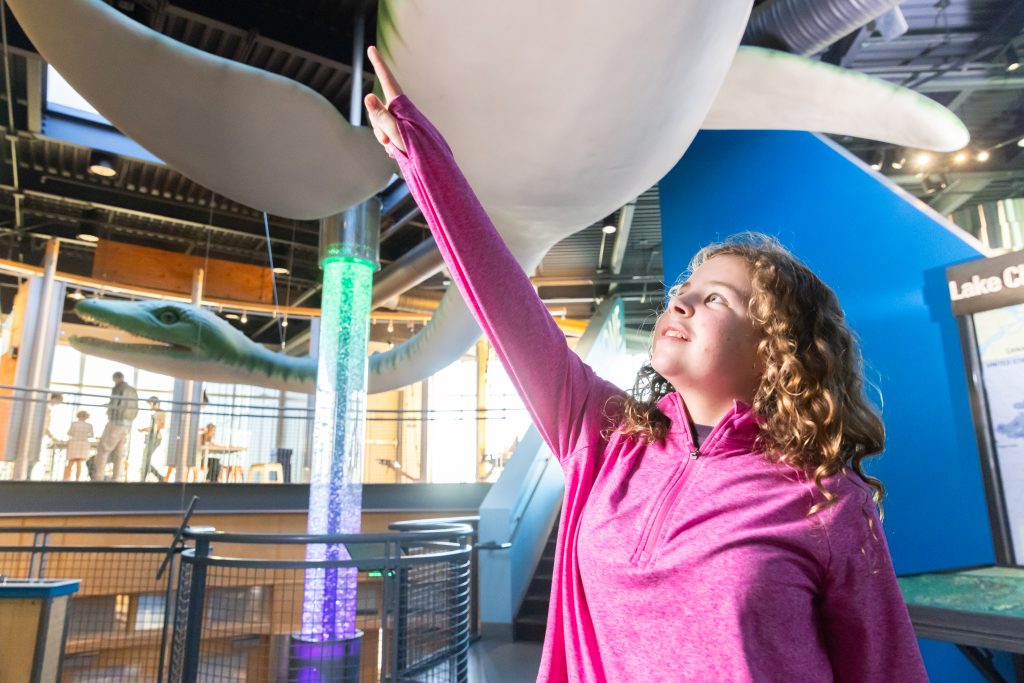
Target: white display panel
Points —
{"points": [[1000, 338]]}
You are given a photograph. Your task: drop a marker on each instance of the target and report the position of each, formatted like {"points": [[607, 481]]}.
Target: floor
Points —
{"points": [[500, 661]]}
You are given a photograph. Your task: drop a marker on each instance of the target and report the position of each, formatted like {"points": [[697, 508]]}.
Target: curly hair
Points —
{"points": [[815, 416]]}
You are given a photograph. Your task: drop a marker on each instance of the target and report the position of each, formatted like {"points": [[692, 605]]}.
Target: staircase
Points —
{"points": [[532, 619]]}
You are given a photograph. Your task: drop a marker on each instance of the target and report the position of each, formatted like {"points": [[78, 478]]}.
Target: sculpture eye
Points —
{"points": [[167, 317]]}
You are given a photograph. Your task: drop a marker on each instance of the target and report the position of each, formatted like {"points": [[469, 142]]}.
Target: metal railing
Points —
{"points": [[474, 574], [236, 614], [258, 438], [243, 615], [119, 623]]}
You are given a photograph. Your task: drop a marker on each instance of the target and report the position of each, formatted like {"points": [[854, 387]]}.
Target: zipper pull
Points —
{"points": [[695, 454]]}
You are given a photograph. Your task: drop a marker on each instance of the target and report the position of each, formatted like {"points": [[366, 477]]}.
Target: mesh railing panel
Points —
{"points": [[414, 619], [128, 625], [117, 622]]}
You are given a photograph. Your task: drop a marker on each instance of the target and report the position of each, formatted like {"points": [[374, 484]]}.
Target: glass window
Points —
{"points": [[60, 96]]}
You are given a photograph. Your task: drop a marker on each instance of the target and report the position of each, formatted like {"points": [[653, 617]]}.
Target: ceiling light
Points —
{"points": [[76, 295], [231, 316], [88, 237], [280, 270], [983, 155], [1012, 60], [897, 164], [923, 159], [1020, 143], [284, 323], [391, 326], [960, 157], [609, 229], [102, 164], [244, 319]]}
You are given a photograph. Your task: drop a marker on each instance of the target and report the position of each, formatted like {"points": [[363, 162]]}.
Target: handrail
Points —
{"points": [[385, 561], [146, 530], [416, 524], [443, 531]]}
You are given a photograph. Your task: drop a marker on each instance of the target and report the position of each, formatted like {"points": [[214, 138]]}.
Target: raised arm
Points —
{"points": [[564, 396]]}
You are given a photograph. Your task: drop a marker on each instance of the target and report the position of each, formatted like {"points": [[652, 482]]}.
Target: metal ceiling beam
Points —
{"points": [[577, 280], [1002, 31], [96, 203], [622, 236], [988, 176], [955, 83], [958, 192]]}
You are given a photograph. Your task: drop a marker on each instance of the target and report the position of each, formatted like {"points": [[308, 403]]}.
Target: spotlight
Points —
{"points": [[983, 156], [1012, 60], [960, 157], [922, 160], [284, 323], [76, 295], [88, 237], [244, 319], [876, 159], [609, 229], [391, 326], [102, 164], [231, 316], [897, 164], [280, 270], [1020, 143]]}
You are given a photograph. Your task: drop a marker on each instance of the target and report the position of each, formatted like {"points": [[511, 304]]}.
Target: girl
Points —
{"points": [[79, 434], [717, 525]]}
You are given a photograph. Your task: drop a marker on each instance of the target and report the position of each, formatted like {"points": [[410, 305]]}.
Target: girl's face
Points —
{"points": [[704, 342]]}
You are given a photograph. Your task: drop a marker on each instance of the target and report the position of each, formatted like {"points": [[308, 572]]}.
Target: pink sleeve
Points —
{"points": [[563, 395], [865, 621]]}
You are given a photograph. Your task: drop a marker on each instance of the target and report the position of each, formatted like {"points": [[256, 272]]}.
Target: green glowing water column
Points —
{"points": [[349, 245]]}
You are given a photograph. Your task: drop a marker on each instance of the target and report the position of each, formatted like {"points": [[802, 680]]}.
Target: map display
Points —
{"points": [[1000, 336]]}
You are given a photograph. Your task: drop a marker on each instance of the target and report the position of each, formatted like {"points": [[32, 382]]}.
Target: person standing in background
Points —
{"points": [[121, 412], [79, 434], [154, 435]]}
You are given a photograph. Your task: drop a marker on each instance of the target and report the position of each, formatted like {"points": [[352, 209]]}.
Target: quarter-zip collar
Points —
{"points": [[734, 434]]}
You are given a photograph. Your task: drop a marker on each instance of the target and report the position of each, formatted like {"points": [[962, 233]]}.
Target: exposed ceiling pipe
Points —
{"points": [[418, 264], [428, 303], [806, 27]]}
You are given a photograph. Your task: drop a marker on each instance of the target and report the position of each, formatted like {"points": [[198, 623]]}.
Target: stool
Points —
{"points": [[266, 473], [232, 473]]}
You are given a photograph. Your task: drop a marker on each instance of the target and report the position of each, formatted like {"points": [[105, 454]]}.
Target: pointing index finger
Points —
{"points": [[388, 83]]}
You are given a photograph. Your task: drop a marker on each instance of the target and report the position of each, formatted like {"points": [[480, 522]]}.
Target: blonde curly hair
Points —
{"points": [[816, 417]]}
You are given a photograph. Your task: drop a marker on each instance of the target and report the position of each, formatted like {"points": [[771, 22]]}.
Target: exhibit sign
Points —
{"points": [[987, 283]]}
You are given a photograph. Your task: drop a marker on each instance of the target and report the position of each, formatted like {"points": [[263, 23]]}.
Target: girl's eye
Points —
{"points": [[715, 298]]}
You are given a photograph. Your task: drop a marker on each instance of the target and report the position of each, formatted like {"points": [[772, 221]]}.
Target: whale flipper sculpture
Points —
{"points": [[554, 132], [767, 89], [250, 135]]}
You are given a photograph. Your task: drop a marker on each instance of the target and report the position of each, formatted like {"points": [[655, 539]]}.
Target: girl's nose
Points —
{"points": [[679, 306]]}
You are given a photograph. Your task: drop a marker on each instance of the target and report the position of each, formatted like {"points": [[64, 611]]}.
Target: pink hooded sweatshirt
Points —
{"points": [[674, 563]]}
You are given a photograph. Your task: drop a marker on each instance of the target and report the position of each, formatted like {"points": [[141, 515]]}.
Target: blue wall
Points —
{"points": [[884, 254]]}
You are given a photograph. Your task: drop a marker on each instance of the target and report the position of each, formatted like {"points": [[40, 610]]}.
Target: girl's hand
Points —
{"points": [[385, 126]]}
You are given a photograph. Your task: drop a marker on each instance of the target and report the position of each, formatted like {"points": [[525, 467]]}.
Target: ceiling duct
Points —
{"points": [[806, 27]]}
